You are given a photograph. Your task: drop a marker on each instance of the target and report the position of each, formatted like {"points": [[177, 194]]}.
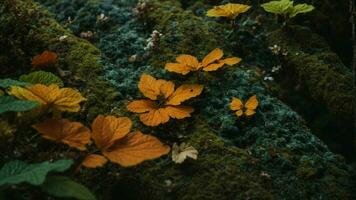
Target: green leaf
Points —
{"points": [[9, 103], [42, 77], [278, 7], [5, 83], [300, 8], [64, 187], [17, 171]]}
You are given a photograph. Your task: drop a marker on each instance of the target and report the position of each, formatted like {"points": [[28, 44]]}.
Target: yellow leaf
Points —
{"points": [[177, 68], [230, 10], [166, 107], [73, 134], [190, 61], [64, 99], [94, 161], [236, 104], [106, 130], [251, 103], [179, 112], [248, 109], [68, 100], [141, 106], [183, 93], [148, 86], [213, 67], [26, 94], [166, 88], [213, 56], [136, 148], [217, 11], [155, 117], [231, 61]]}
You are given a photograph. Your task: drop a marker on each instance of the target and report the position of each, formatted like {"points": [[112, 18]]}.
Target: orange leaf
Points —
{"points": [[190, 61], [94, 161], [213, 67], [166, 88], [179, 112], [231, 61], [47, 58], [136, 148], [73, 134], [184, 92], [177, 68], [141, 106], [148, 86], [213, 56], [236, 104], [106, 130], [155, 117]]}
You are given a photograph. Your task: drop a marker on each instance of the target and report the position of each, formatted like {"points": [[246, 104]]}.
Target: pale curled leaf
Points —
{"points": [[181, 152]]}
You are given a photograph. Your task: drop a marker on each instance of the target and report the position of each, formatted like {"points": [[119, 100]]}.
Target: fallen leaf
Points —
{"points": [[94, 161], [136, 148], [46, 59], [182, 152], [73, 134]]}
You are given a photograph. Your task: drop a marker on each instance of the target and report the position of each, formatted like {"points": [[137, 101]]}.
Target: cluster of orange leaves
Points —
{"points": [[164, 101], [50, 97], [111, 136], [45, 59], [211, 62], [247, 109], [230, 10]]}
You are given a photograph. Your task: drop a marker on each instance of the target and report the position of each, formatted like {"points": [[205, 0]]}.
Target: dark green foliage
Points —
{"points": [[5, 83], [8, 103], [64, 187], [17, 171], [42, 77]]}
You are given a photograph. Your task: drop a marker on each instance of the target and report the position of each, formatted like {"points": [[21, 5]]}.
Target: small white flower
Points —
{"points": [[268, 78], [102, 17], [276, 68], [182, 152], [275, 49], [63, 37]]}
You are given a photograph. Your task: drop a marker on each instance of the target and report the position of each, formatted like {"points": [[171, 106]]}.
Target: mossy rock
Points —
{"points": [[27, 30], [312, 71]]}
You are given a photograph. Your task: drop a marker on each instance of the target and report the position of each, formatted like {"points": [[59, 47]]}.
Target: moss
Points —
{"points": [[248, 159], [317, 68], [6, 131], [40, 32], [221, 171], [315, 82]]}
